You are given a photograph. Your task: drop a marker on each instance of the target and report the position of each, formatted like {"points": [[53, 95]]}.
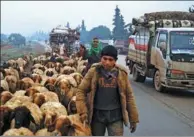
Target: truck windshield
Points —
{"points": [[182, 41]]}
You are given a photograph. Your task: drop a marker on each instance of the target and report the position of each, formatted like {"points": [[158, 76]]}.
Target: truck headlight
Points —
{"points": [[177, 74]]}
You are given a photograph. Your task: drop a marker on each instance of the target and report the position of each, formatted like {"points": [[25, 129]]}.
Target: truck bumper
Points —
{"points": [[179, 84]]}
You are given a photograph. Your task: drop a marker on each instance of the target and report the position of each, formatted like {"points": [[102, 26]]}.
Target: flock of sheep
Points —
{"points": [[41, 103]]}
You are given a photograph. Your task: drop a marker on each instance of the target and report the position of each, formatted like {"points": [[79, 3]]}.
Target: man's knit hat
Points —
{"points": [[109, 51]]}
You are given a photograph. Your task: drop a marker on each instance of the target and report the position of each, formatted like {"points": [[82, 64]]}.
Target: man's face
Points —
{"points": [[108, 62], [81, 49], [95, 43]]}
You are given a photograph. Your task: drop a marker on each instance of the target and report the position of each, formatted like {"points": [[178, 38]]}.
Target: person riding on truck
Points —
{"points": [[110, 101]]}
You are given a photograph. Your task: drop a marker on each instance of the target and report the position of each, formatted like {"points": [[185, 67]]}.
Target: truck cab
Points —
{"points": [[172, 55]]}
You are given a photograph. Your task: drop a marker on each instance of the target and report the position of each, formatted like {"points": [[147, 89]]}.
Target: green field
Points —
{"points": [[14, 53]]}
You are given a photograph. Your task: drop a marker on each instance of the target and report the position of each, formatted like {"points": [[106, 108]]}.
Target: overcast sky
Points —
{"points": [[28, 16]]}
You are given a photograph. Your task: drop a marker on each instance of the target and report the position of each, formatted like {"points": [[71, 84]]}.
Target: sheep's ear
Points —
{"points": [[32, 119], [12, 115]]}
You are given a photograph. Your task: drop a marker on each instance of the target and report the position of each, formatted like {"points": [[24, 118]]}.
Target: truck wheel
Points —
{"points": [[142, 78], [157, 83], [135, 73]]}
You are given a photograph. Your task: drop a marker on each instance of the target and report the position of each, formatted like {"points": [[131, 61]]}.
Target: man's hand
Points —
{"points": [[133, 126], [84, 118]]}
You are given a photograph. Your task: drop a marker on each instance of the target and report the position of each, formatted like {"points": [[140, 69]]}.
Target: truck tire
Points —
{"points": [[157, 83], [137, 76], [142, 78]]}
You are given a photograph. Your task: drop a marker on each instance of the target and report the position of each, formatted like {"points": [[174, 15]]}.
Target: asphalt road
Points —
{"points": [[162, 114]]}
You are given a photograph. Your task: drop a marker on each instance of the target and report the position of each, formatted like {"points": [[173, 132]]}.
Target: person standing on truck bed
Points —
{"points": [[93, 54], [110, 100]]}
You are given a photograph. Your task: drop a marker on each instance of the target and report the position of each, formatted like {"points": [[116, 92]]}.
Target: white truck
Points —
{"points": [[162, 48]]}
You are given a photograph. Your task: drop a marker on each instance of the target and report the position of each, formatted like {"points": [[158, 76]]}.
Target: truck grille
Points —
{"points": [[190, 76]]}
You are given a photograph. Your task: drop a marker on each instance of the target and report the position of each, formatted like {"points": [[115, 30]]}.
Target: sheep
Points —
{"points": [[50, 65], [39, 66], [72, 106], [5, 96], [45, 132], [18, 132], [71, 126], [50, 72], [12, 63], [4, 86], [38, 71], [12, 71], [12, 83], [22, 117], [49, 84], [35, 89], [41, 98], [16, 101], [5, 117], [58, 67], [78, 77], [36, 78], [25, 83], [52, 110], [67, 70], [20, 93]]}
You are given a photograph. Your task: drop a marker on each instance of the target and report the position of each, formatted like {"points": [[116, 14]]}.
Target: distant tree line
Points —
{"points": [[14, 39]]}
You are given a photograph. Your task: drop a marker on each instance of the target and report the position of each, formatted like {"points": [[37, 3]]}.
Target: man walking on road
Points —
{"points": [[110, 101]]}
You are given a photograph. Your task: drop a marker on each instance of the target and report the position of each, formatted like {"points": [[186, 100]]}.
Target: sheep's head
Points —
{"points": [[49, 84], [50, 65], [5, 96], [64, 86], [78, 77], [39, 99], [5, 118], [36, 78], [62, 125], [49, 119], [72, 109], [22, 116], [49, 72], [58, 67], [12, 82], [25, 83], [31, 91]]}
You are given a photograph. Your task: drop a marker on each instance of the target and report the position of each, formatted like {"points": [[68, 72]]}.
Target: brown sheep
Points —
{"points": [[71, 126], [45, 132], [25, 83], [5, 118], [67, 70], [38, 66], [72, 106], [36, 78], [5, 96], [49, 84], [78, 77], [12, 82], [41, 98], [50, 65], [18, 132], [58, 67], [31, 91]]}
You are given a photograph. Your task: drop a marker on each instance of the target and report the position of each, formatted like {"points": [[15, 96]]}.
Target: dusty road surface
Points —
{"points": [[162, 114]]}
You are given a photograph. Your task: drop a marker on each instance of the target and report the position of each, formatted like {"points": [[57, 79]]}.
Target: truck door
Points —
{"points": [[160, 53]]}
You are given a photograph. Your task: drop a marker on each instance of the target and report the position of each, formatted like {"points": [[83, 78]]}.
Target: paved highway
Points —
{"points": [[162, 114]]}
